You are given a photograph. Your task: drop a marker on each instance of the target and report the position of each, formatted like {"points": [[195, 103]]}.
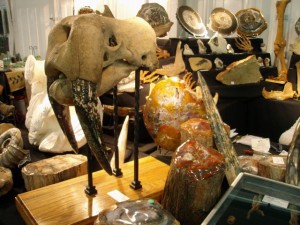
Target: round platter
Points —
{"points": [[157, 17], [297, 27], [251, 22], [222, 21], [191, 21]]}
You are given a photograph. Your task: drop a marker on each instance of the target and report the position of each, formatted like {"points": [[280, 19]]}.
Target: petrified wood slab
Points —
{"points": [[53, 170], [193, 185], [245, 71], [6, 180], [273, 167]]}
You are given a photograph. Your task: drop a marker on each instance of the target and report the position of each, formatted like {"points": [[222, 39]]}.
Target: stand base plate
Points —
{"points": [[67, 203]]}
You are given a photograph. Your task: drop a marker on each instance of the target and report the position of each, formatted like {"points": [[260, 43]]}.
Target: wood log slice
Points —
{"points": [[6, 180], [144, 211], [193, 185], [53, 170], [273, 167]]}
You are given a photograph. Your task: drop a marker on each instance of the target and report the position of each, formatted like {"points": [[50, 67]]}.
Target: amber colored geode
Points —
{"points": [[170, 104]]}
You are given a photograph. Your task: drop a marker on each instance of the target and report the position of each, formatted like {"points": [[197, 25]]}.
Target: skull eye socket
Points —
{"points": [[144, 57]]}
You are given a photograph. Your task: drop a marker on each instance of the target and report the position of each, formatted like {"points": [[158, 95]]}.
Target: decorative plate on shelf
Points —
{"points": [[222, 21], [191, 21], [251, 22], [157, 17], [297, 27]]}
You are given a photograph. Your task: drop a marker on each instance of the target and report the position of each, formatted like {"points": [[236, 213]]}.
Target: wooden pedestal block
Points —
{"points": [[66, 202]]}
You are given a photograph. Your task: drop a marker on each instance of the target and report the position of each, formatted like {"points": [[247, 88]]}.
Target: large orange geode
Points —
{"points": [[170, 103]]}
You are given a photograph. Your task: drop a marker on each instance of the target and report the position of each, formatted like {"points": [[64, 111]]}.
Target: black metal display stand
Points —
{"points": [[116, 171], [135, 184], [90, 188]]}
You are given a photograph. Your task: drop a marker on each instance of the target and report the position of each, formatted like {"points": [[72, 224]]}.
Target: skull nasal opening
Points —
{"points": [[112, 41], [144, 57]]}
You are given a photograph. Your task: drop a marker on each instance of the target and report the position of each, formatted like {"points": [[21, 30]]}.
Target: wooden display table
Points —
{"points": [[67, 203]]}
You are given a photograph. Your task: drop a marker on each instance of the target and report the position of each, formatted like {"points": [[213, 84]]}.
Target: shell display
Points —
{"points": [[11, 148]]}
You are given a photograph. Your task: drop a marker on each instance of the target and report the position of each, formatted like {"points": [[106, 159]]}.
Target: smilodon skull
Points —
{"points": [[87, 55]]}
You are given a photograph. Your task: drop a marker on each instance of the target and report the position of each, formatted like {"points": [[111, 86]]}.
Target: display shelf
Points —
{"points": [[226, 58], [67, 203], [192, 42]]}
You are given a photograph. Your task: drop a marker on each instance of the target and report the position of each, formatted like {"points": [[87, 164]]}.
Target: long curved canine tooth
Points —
{"points": [[86, 100], [62, 114]]}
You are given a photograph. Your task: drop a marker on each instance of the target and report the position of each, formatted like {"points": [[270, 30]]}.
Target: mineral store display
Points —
{"points": [[180, 114]]}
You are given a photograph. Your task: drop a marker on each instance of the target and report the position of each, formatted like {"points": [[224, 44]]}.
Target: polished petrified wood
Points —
{"points": [[53, 170], [194, 181], [273, 167], [6, 180]]}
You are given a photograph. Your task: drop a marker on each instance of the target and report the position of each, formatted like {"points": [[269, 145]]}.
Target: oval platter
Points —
{"points": [[251, 22], [190, 20], [297, 27], [222, 21]]}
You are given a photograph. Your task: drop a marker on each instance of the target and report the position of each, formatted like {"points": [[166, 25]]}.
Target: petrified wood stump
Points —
{"points": [[6, 180], [53, 170], [273, 167], [193, 185]]}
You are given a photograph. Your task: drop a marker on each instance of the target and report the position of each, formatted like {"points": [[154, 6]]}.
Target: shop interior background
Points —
{"points": [[29, 21]]}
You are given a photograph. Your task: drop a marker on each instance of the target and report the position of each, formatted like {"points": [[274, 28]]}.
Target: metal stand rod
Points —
{"points": [[136, 184], [116, 171], [90, 188]]}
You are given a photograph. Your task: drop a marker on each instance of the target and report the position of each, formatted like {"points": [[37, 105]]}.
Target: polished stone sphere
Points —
{"points": [[170, 103]]}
